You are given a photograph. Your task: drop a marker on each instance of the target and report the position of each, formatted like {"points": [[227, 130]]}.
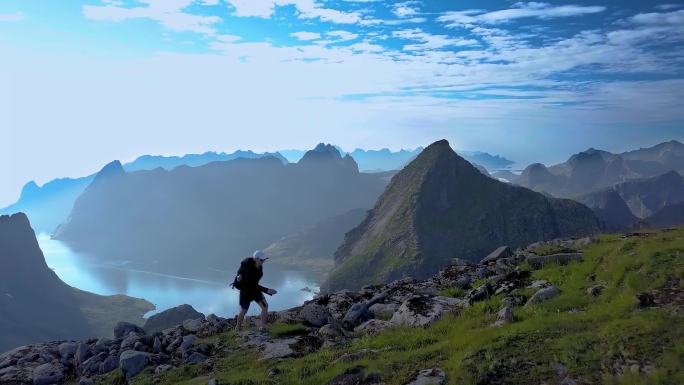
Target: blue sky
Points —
{"points": [[84, 82]]}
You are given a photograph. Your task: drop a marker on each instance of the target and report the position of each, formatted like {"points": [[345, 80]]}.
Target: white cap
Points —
{"points": [[260, 255]]}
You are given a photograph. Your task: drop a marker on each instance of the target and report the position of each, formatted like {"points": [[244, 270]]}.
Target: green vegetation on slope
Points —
{"points": [[604, 339]]}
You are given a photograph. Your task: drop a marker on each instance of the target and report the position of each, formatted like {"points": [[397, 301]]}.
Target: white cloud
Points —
{"points": [[340, 35], [306, 36], [660, 19], [9, 17], [429, 41], [412, 20], [520, 10], [667, 7], [405, 9], [307, 9], [167, 13]]}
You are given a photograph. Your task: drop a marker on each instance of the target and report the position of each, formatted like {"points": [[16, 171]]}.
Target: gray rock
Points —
{"points": [[129, 342], [423, 310], [123, 328], [480, 293], [433, 376], [280, 348], [314, 314], [538, 284], [192, 325], [500, 252], [196, 358], [543, 294], [163, 369], [329, 331], [67, 349], [505, 314], [355, 376], [86, 381], [92, 365], [110, 363], [83, 352], [188, 341], [356, 315], [372, 326], [132, 362], [171, 317], [213, 381], [383, 310], [463, 282], [48, 374], [157, 345]]}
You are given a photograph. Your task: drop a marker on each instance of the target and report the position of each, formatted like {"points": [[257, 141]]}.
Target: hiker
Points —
{"points": [[247, 281]]}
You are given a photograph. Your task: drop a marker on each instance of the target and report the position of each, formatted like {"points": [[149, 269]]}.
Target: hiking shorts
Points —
{"points": [[247, 298]]}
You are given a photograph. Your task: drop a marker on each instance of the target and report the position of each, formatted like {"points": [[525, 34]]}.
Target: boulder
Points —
{"points": [[188, 341], [356, 315], [67, 349], [192, 325], [435, 376], [171, 317], [196, 358], [500, 252], [122, 329], [83, 352], [480, 293], [372, 326], [423, 310], [329, 331], [539, 261], [543, 294], [48, 374], [505, 314], [314, 314], [129, 342], [383, 310], [110, 363], [355, 376], [132, 362]]}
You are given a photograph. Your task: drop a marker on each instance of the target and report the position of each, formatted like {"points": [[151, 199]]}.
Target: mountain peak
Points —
{"points": [[113, 168], [326, 154], [29, 189]]}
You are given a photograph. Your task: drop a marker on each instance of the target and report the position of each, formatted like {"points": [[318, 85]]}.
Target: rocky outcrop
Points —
{"points": [[171, 317], [440, 207]]}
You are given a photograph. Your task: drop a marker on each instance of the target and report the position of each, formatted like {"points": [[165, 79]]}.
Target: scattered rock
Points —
{"points": [[355, 376], [48, 374], [213, 381], [192, 325], [196, 358], [543, 294], [383, 310], [435, 376], [372, 326], [132, 362], [505, 314], [480, 293], [188, 341], [314, 314], [122, 329], [163, 369], [423, 310], [500, 252], [171, 317]]}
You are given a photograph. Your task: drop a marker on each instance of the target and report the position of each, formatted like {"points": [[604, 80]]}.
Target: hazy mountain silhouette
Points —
{"points": [[610, 208], [440, 207], [647, 196], [214, 215], [593, 169], [315, 244], [49, 205], [35, 305], [668, 216]]}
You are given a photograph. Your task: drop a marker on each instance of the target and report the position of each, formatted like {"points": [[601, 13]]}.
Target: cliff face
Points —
{"points": [[440, 207], [35, 304]]}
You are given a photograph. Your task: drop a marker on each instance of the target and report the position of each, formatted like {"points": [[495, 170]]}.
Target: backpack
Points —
{"points": [[239, 280]]}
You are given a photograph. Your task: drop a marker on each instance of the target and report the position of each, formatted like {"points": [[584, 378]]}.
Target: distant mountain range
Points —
{"points": [[50, 204], [216, 214], [35, 305], [440, 207], [594, 169]]}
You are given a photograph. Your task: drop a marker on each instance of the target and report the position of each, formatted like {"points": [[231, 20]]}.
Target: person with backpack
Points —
{"points": [[247, 281]]}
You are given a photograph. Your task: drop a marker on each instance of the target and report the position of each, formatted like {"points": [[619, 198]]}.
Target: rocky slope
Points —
{"points": [[36, 305], [198, 218], [440, 207], [315, 246], [668, 216], [610, 209], [468, 324]]}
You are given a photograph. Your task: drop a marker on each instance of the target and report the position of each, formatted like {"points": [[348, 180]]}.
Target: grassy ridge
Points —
{"points": [[604, 339]]}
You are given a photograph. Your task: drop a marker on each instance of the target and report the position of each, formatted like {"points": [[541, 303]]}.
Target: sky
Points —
{"points": [[84, 82]]}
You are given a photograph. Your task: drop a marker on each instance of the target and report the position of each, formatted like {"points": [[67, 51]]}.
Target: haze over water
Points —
{"points": [[165, 291]]}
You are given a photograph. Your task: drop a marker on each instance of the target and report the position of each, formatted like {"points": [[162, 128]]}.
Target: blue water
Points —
{"points": [[166, 291]]}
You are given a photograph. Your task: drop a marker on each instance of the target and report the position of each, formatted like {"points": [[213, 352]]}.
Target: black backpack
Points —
{"points": [[238, 281]]}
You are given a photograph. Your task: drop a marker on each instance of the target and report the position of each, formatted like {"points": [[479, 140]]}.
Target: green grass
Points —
{"points": [[281, 329], [455, 292], [586, 334]]}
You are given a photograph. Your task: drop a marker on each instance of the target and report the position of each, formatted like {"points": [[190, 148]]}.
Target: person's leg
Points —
{"points": [[264, 311], [244, 306]]}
